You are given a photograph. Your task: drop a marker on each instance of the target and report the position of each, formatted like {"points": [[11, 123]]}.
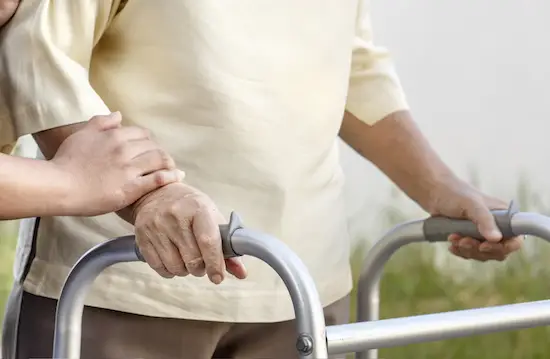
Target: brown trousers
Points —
{"points": [[108, 334]]}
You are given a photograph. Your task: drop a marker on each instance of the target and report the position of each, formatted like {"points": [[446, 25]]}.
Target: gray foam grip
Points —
{"points": [[438, 229]]}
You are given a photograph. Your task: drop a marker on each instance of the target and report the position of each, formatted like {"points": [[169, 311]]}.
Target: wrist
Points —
{"points": [[64, 190], [431, 196], [130, 213]]}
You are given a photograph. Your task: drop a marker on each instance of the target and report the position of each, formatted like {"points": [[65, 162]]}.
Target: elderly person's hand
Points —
{"points": [[7, 9], [177, 232], [457, 199]]}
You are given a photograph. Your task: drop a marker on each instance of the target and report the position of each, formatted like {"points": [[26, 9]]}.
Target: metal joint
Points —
{"points": [[304, 344]]}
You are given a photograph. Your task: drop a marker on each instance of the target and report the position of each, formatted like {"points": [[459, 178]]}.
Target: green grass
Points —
{"points": [[7, 253], [413, 285]]}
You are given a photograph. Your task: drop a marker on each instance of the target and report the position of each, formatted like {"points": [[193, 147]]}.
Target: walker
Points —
{"points": [[314, 340]]}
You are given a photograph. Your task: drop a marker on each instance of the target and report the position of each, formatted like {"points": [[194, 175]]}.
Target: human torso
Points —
{"points": [[247, 96]]}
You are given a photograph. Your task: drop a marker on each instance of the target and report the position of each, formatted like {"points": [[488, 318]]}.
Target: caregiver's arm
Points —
{"points": [[100, 168], [45, 55]]}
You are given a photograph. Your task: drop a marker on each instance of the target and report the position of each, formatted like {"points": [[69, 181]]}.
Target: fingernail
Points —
{"points": [[181, 175], [114, 114], [484, 249], [216, 279], [466, 246], [175, 176], [169, 176]]}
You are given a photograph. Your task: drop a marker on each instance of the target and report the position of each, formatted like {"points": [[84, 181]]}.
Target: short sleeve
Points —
{"points": [[45, 53], [374, 87]]}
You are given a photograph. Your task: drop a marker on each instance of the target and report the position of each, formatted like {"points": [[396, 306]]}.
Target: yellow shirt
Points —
{"points": [[248, 98]]}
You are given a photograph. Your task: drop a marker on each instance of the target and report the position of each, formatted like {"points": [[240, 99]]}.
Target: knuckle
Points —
{"points": [[116, 137], [196, 266], [157, 220], [97, 119], [160, 179], [175, 208], [165, 159], [207, 240], [176, 269], [193, 201]]}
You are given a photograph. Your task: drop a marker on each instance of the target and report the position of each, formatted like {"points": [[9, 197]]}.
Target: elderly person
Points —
{"points": [[249, 98]]}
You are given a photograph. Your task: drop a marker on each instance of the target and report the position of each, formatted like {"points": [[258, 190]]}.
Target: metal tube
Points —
{"points": [[533, 224], [368, 290], [433, 327], [310, 320], [368, 303], [68, 319], [311, 342]]}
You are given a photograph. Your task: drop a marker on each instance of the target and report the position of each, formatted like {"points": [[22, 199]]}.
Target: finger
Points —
{"points": [[147, 160], [457, 252], [132, 149], [146, 184], [476, 254], [486, 256], [129, 133], [188, 248], [480, 214], [487, 247], [467, 246], [150, 254], [468, 243], [481, 251], [169, 255], [236, 267], [207, 233], [513, 244], [454, 237], [106, 122]]}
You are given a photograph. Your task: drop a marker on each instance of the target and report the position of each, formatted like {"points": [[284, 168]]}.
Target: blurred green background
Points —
{"points": [[417, 282]]}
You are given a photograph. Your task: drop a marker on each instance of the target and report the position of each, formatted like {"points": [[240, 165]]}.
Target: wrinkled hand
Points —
{"points": [[7, 9], [177, 232], [108, 167], [459, 200]]}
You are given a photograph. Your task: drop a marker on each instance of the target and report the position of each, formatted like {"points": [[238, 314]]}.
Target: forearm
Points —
{"points": [[399, 149], [35, 188], [31, 188]]}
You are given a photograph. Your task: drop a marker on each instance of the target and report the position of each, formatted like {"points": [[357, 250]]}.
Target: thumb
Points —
{"points": [[481, 215], [106, 122]]}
